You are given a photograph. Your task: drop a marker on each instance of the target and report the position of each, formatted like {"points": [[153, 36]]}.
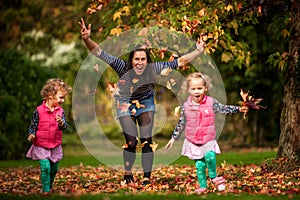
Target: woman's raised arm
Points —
{"points": [[187, 58], [85, 35]]}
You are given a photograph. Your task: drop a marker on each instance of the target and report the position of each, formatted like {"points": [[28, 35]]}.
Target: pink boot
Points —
{"points": [[200, 190], [219, 183]]}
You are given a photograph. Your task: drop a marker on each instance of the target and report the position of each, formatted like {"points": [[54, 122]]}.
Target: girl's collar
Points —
{"points": [[191, 102], [48, 108]]}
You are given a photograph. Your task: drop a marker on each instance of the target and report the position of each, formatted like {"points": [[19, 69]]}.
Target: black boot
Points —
{"points": [[128, 179], [146, 182]]}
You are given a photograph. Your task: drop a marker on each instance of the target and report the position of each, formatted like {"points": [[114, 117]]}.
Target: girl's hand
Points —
{"points": [[244, 109], [170, 143], [31, 137], [85, 32], [59, 120], [200, 44]]}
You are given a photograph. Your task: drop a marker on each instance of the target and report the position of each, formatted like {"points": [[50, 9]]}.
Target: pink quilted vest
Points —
{"points": [[48, 134], [200, 121]]}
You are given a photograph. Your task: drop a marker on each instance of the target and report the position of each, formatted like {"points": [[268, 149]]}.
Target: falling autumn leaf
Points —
{"points": [[177, 111], [170, 83], [166, 71], [173, 56], [154, 146], [143, 144], [96, 67], [135, 80], [123, 107], [113, 88], [90, 11], [133, 111], [162, 52]]}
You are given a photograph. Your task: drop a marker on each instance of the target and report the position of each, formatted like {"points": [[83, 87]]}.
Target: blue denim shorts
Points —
{"points": [[134, 107]]}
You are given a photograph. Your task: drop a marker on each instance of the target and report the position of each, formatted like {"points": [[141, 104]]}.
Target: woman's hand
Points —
{"points": [[200, 44], [31, 137], [170, 143], [85, 32], [85, 35], [188, 58]]}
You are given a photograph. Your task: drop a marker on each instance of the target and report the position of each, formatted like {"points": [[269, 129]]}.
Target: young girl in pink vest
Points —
{"points": [[45, 131], [197, 118]]}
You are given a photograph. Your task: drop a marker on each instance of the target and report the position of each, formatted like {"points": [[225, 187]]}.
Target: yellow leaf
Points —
{"points": [[210, 35], [223, 44], [170, 83], [229, 7], [154, 146], [234, 25], [285, 33], [96, 67], [177, 111], [202, 12], [126, 10], [172, 28], [226, 57], [117, 15], [115, 31], [281, 64]]}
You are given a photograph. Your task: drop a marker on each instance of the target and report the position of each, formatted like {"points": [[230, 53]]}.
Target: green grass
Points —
{"points": [[77, 155], [236, 158]]}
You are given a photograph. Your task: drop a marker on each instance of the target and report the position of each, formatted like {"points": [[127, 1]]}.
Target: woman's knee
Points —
{"points": [[131, 145], [146, 145]]}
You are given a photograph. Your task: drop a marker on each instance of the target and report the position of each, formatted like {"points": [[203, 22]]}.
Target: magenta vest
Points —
{"points": [[200, 121], [48, 134]]}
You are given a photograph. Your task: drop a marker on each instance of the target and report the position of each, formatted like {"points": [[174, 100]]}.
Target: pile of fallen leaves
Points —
{"points": [[182, 179]]}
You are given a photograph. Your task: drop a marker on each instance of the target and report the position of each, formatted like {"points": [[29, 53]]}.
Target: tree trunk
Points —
{"points": [[289, 141]]}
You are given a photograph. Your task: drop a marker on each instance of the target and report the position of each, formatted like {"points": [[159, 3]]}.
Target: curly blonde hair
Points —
{"points": [[54, 85], [207, 81]]}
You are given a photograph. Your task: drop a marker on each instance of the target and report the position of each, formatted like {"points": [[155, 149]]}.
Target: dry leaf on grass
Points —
{"points": [[182, 179]]}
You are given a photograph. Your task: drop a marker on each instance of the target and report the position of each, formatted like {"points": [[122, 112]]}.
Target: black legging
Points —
{"points": [[129, 126]]}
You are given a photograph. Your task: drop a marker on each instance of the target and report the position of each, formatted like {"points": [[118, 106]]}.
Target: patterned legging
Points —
{"points": [[129, 126], [48, 172], [209, 162]]}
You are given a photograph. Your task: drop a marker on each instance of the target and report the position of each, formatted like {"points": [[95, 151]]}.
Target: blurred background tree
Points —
{"points": [[21, 80]]}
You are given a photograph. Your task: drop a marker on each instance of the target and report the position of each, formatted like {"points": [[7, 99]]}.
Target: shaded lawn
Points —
{"points": [[72, 159]]}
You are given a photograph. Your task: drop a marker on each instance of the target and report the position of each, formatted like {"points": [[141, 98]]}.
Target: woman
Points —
{"points": [[135, 97]]}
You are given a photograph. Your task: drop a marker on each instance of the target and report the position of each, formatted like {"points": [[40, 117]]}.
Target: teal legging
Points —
{"points": [[48, 172], [209, 161]]}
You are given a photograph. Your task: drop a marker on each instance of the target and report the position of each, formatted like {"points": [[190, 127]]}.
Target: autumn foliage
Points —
{"points": [[78, 180]]}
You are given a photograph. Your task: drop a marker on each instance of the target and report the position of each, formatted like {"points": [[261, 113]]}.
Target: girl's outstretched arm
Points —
{"points": [[178, 129]]}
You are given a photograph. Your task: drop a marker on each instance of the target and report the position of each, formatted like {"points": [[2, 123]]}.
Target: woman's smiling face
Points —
{"points": [[197, 89], [139, 62]]}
